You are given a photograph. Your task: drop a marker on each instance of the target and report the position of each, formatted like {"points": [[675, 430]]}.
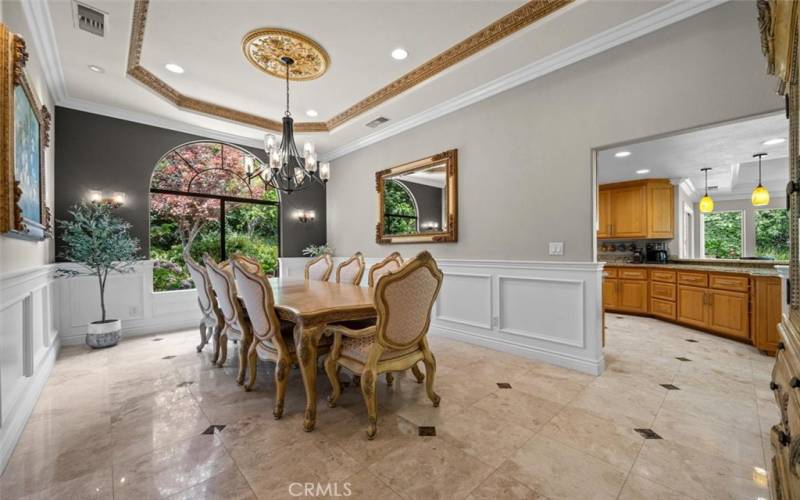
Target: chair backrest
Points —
{"points": [[351, 270], [256, 293], [224, 287], [404, 300], [319, 268], [249, 263], [205, 295], [392, 262]]}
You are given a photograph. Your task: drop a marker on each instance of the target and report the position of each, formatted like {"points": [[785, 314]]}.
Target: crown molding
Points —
{"points": [[40, 24], [157, 121], [673, 12]]}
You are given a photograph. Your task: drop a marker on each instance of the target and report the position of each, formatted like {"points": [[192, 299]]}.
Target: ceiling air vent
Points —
{"points": [[89, 19], [377, 122], [713, 188]]}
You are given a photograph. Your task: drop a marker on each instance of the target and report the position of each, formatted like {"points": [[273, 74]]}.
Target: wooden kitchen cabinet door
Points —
{"points": [[629, 212], [692, 308], [633, 296], [660, 210], [729, 313], [767, 310], [604, 214], [610, 295]]}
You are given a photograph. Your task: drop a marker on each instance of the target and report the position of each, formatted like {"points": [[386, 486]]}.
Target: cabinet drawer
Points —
{"points": [[662, 275], [633, 274], [729, 282], [663, 291], [692, 278], [663, 309], [610, 272]]}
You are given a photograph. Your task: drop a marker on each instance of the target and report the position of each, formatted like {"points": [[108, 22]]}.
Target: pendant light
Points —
{"points": [[706, 203], [760, 196]]}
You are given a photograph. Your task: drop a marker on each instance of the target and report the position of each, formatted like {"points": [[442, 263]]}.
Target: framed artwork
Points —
{"points": [[25, 126]]}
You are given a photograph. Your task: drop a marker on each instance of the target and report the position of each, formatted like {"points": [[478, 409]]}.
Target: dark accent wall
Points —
{"points": [[429, 202], [112, 155]]}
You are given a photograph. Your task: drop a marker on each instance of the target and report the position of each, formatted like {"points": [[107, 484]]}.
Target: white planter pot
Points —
{"points": [[103, 333]]}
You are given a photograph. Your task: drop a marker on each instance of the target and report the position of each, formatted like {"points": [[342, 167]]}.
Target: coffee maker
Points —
{"points": [[657, 253]]}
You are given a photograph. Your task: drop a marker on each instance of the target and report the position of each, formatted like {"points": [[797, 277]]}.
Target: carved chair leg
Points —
{"points": [[368, 379], [203, 335], [252, 366], [215, 340], [244, 347], [281, 381], [418, 374], [223, 349], [389, 378], [430, 371], [332, 369]]}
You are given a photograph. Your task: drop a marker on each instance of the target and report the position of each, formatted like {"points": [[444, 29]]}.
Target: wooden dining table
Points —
{"points": [[311, 305]]}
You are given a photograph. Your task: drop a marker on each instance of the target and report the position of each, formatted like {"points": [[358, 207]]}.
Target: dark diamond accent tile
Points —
{"points": [[670, 387], [213, 428], [168, 357], [157, 339], [681, 358], [425, 430], [692, 341], [185, 384], [504, 385], [648, 433], [620, 317]]}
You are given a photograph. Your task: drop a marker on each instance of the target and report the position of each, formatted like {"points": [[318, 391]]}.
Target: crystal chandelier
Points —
{"points": [[287, 170]]}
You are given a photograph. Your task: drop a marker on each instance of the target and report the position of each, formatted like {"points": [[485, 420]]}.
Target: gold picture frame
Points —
{"points": [[33, 221], [448, 160]]}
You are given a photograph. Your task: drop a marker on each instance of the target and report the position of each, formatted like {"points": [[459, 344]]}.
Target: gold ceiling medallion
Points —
{"points": [[265, 47]]}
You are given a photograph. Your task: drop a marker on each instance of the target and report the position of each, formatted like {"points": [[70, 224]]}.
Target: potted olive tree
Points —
{"points": [[101, 244]]}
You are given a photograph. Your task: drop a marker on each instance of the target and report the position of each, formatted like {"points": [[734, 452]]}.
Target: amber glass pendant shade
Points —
{"points": [[706, 204], [760, 196]]}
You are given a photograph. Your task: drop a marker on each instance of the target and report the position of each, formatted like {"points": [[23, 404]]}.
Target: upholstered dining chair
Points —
{"points": [[351, 270], [391, 262], [319, 268], [398, 340], [272, 339], [212, 321], [235, 326], [251, 264]]}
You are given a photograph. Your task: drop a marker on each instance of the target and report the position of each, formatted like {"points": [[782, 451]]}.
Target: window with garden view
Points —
{"points": [[772, 233], [722, 235], [201, 189]]}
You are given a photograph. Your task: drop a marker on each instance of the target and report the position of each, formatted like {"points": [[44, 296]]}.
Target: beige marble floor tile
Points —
{"points": [[502, 486], [600, 437], [229, 484], [695, 473], [171, 469], [554, 383], [557, 471], [430, 469], [366, 486], [619, 401], [95, 485], [741, 413], [519, 408], [639, 488]]}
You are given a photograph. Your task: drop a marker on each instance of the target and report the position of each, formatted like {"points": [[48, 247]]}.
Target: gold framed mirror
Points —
{"points": [[418, 201]]}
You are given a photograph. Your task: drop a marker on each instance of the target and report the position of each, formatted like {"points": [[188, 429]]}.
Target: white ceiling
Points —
{"points": [[727, 148], [205, 38]]}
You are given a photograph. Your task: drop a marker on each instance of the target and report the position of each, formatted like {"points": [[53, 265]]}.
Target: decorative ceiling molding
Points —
{"points": [[673, 12], [264, 48], [525, 15]]}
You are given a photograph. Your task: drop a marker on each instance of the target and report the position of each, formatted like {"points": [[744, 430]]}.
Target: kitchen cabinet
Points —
{"points": [[728, 313], [636, 209], [610, 296], [692, 308], [767, 309], [632, 296]]}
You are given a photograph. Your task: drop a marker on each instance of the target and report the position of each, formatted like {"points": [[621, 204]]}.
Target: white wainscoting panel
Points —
{"points": [[28, 348], [548, 311]]}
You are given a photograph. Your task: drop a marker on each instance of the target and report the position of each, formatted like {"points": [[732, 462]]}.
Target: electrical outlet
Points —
{"points": [[133, 311], [556, 248]]}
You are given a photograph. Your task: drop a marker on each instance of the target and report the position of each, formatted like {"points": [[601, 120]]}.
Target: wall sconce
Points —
{"points": [[304, 215], [117, 199]]}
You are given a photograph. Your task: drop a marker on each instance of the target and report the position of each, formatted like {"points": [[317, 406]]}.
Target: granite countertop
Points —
{"points": [[728, 267]]}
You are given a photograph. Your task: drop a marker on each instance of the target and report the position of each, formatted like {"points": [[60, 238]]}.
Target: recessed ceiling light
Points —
{"points": [[96, 69], [643, 171], [174, 68], [773, 142], [622, 154], [399, 54], [312, 113]]}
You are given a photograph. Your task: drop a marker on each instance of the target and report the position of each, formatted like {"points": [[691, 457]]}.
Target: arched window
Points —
{"points": [[400, 214], [201, 191]]}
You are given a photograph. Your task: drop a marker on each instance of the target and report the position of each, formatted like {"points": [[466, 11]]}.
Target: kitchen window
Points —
{"points": [[772, 233], [722, 235]]}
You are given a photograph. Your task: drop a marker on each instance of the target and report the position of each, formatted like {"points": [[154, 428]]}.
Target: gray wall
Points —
{"points": [[98, 152], [534, 184]]}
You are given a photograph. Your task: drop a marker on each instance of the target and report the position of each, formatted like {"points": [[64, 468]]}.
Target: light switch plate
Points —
{"points": [[556, 248]]}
